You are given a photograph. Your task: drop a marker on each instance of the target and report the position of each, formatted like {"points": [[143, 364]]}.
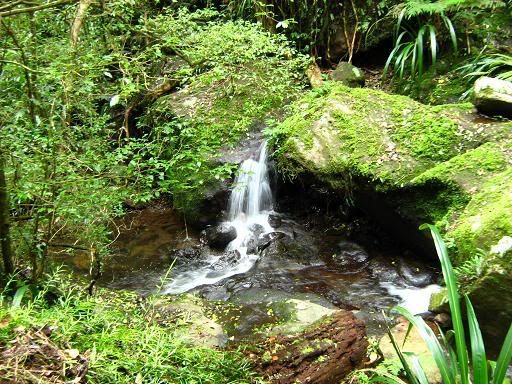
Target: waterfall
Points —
{"points": [[248, 210], [251, 194]]}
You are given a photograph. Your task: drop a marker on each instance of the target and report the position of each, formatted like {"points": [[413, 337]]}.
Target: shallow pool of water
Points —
{"points": [[368, 285]]}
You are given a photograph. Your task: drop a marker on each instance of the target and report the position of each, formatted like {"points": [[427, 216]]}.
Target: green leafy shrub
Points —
{"points": [[70, 165], [316, 26], [493, 64]]}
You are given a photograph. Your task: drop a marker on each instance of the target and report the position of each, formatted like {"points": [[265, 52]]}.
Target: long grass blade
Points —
{"points": [[403, 59], [432, 343], [405, 365], [454, 302], [413, 63], [433, 44], [419, 48], [399, 23], [446, 339], [451, 29], [393, 53], [18, 296], [478, 357], [418, 369], [503, 359]]}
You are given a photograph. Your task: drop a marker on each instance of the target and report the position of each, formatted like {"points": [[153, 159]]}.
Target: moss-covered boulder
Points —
{"points": [[441, 164]]}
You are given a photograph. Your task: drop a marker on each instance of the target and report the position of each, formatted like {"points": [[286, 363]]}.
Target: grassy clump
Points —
{"points": [[118, 338]]}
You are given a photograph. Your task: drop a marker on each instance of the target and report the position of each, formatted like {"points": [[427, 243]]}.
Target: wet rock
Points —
{"points": [[325, 353], [231, 257], [219, 236], [256, 229], [198, 329], [384, 269], [415, 275], [348, 74], [413, 344], [493, 96], [252, 246], [215, 293], [443, 319], [350, 255], [186, 255], [274, 221], [287, 248], [302, 313], [265, 240], [227, 260]]}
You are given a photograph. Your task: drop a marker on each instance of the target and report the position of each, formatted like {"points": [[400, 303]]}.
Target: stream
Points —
{"points": [[258, 257]]}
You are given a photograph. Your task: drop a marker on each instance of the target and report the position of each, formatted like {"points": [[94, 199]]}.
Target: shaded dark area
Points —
{"points": [[368, 217]]}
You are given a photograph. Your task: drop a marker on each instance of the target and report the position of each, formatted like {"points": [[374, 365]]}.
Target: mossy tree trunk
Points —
{"points": [[5, 240]]}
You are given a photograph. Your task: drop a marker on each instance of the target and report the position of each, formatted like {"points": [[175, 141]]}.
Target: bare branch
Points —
{"points": [[17, 11], [21, 65]]}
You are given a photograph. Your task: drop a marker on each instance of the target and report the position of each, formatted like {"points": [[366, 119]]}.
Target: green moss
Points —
{"points": [[364, 133], [486, 219], [469, 169], [426, 133]]}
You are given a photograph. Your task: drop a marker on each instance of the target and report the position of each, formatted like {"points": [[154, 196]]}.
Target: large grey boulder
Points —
{"points": [[493, 96], [412, 163]]}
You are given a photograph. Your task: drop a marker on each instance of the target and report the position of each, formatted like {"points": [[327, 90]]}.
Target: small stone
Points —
{"points": [[219, 236], [493, 96], [443, 319], [72, 353], [348, 74]]}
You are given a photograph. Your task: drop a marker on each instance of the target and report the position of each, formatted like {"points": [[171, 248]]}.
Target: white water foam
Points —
{"points": [[416, 300], [249, 206]]}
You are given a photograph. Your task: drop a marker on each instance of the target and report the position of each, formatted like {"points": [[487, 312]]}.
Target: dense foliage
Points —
{"points": [[107, 105], [86, 126]]}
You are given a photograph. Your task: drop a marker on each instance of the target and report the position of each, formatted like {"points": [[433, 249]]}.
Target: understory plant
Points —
{"points": [[488, 64], [112, 337], [456, 361], [315, 25], [419, 34]]}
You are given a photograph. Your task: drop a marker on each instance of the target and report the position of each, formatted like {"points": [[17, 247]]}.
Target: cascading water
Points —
{"points": [[249, 206], [252, 193]]}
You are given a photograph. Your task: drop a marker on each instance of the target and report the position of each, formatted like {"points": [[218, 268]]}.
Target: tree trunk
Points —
{"points": [[324, 353], [5, 240], [79, 19]]}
